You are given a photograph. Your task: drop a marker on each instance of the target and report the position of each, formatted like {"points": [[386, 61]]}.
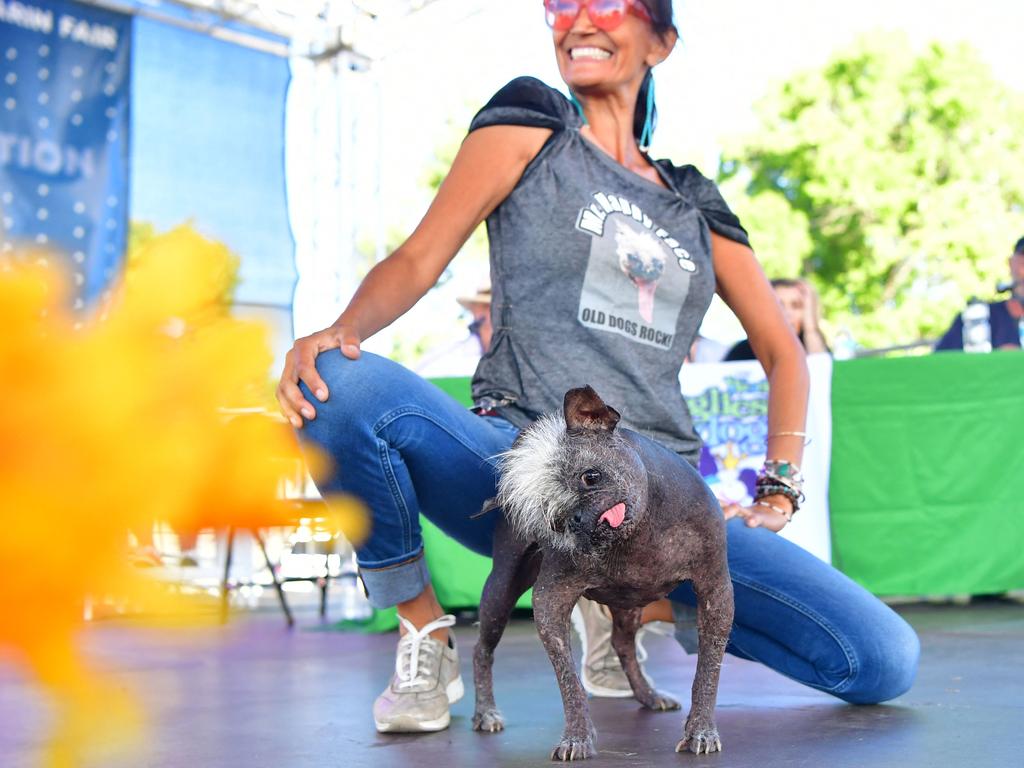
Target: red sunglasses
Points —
{"points": [[606, 14]]}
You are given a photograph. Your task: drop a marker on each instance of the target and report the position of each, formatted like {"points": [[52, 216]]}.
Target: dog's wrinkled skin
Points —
{"points": [[564, 533]]}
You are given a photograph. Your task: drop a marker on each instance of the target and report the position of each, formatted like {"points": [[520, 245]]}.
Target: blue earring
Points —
{"points": [[579, 107], [647, 134]]}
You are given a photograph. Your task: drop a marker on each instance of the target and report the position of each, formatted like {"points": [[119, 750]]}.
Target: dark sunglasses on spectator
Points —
{"points": [[605, 14]]}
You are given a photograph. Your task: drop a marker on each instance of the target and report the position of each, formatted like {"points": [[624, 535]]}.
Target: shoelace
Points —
{"points": [[410, 668], [655, 628]]}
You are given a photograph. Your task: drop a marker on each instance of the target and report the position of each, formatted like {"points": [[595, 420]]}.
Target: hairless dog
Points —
{"points": [[608, 514]]}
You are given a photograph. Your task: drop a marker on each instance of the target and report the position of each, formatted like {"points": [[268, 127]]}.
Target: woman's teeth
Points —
{"points": [[589, 53]]}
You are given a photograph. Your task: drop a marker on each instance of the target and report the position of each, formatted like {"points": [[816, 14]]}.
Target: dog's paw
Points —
{"points": [[574, 749], [488, 721], [658, 702], [700, 740]]}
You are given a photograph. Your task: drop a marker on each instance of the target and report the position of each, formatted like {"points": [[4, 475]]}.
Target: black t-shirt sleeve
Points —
{"points": [[704, 194], [953, 338], [526, 101], [741, 351]]}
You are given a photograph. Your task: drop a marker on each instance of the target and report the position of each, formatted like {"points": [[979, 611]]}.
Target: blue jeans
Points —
{"points": [[405, 447]]}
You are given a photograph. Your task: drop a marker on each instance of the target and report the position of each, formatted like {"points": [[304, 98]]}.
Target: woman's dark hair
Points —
{"points": [[1019, 247], [661, 20]]}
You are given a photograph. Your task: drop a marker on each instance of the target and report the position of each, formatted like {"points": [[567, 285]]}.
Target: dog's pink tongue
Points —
{"points": [[615, 515]]}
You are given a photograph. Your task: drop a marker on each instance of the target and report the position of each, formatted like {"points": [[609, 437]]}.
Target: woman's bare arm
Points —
{"points": [[484, 172], [744, 287]]}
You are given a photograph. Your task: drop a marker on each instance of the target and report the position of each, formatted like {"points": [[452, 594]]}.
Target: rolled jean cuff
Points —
{"points": [[393, 584], [686, 626]]}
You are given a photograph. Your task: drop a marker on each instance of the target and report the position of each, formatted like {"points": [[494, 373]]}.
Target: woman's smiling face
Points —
{"points": [[590, 58]]}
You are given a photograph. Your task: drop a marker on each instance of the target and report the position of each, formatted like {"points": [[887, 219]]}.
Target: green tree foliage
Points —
{"points": [[892, 178]]}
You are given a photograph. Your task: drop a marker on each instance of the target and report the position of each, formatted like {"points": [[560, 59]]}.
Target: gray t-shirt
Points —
{"points": [[599, 276]]}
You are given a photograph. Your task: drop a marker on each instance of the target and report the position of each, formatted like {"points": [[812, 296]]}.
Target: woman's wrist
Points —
{"points": [[348, 326], [780, 478], [777, 503]]}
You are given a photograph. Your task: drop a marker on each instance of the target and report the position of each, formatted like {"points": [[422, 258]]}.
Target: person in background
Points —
{"points": [[461, 358], [479, 306], [1005, 318], [803, 313], [705, 350]]}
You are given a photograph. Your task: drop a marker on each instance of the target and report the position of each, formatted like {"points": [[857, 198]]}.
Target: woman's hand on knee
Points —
{"points": [[300, 365]]}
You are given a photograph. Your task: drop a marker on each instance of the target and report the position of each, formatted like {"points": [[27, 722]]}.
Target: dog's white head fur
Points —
{"points": [[532, 488], [648, 254]]}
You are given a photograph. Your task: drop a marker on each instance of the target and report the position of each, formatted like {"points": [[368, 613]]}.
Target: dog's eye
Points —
{"points": [[591, 478]]}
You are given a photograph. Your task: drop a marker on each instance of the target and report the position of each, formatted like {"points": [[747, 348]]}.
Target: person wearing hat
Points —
{"points": [[479, 306], [461, 357]]}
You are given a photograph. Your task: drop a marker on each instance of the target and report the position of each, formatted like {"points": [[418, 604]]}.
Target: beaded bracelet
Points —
{"points": [[775, 508], [781, 477], [795, 497], [797, 488], [784, 471]]}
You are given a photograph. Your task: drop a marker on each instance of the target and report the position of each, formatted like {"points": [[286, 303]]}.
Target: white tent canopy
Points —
{"points": [[302, 27]]}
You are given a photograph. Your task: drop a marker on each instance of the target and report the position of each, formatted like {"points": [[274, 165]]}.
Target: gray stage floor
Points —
{"points": [[254, 694]]}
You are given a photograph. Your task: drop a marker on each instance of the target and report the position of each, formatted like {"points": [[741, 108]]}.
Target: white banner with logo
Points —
{"points": [[729, 404]]}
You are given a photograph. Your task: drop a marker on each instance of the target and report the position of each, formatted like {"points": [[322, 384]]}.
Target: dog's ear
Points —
{"points": [[584, 409]]}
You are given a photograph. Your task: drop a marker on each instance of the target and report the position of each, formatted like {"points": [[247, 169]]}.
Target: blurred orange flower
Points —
{"points": [[108, 426]]}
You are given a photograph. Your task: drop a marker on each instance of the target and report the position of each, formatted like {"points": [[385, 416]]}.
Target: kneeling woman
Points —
{"points": [[603, 263]]}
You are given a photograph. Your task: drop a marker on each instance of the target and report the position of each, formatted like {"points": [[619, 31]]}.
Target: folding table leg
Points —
{"points": [[277, 582], [323, 594], [224, 586]]}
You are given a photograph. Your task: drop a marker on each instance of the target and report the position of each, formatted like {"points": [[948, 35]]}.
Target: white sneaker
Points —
{"points": [[602, 673], [426, 682]]}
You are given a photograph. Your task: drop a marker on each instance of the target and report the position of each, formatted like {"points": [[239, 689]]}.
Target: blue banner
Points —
{"points": [[64, 82]]}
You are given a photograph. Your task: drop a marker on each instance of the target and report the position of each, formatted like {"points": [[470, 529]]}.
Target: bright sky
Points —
{"points": [[459, 52]]}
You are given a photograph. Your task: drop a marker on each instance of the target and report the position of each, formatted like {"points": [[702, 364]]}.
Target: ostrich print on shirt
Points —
{"points": [[638, 275]]}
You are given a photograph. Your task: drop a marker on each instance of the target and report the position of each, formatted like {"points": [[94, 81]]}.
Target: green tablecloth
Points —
{"points": [[926, 495]]}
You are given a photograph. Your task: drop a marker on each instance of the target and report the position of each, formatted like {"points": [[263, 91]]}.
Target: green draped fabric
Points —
{"points": [[926, 495]]}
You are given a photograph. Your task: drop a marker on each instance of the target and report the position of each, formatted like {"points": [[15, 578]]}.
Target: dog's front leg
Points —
{"points": [[625, 623], [714, 622], [554, 595], [515, 564]]}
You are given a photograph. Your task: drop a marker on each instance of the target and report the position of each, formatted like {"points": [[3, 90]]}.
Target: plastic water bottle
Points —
{"points": [[844, 346], [977, 330]]}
